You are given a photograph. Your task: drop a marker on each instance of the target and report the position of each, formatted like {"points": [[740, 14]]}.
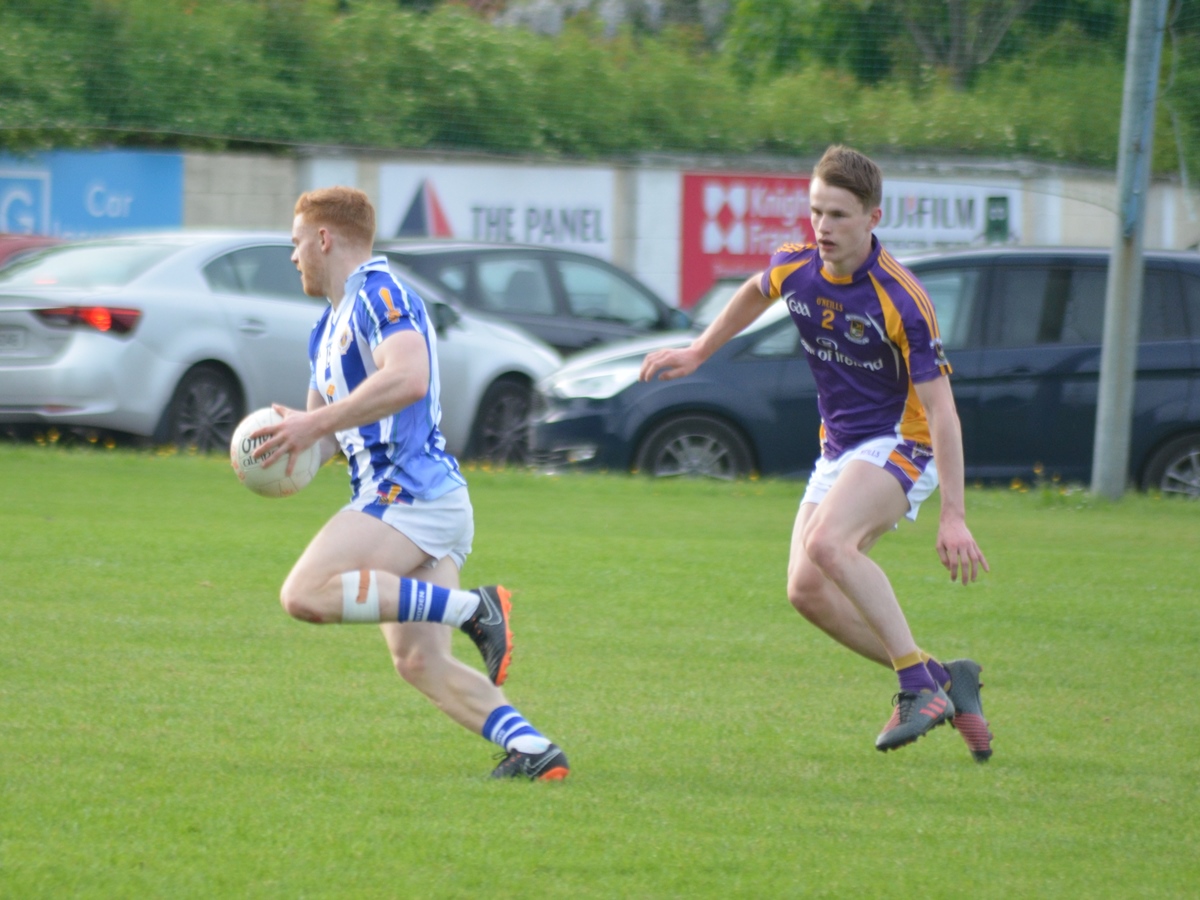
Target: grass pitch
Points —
{"points": [[167, 731]]}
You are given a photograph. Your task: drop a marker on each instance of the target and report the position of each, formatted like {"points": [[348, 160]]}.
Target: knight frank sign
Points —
{"points": [[733, 223]]}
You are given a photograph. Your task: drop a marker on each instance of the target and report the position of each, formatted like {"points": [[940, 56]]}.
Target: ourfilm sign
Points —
{"points": [[932, 214]]}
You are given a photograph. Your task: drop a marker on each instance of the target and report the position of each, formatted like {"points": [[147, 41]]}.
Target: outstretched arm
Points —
{"points": [[955, 546], [743, 308]]}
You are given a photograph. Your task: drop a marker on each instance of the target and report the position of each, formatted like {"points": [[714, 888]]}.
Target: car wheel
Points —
{"points": [[204, 411], [1175, 467], [695, 445], [501, 431]]}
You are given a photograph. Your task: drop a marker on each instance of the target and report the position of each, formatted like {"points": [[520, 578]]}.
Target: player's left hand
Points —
{"points": [[291, 437], [958, 551]]}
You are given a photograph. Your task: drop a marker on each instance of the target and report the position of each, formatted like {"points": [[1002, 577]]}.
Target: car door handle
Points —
{"points": [[252, 327]]}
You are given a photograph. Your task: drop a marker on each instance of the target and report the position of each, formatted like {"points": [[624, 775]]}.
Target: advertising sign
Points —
{"points": [[933, 214], [562, 207], [733, 223], [79, 193], [24, 200]]}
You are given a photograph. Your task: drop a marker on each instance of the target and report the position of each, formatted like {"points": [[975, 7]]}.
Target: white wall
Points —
{"points": [[228, 190]]}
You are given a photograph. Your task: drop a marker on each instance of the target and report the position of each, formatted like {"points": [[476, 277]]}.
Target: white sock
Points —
{"points": [[421, 601]]}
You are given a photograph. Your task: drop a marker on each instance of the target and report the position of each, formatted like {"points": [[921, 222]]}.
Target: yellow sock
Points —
{"points": [[905, 662]]}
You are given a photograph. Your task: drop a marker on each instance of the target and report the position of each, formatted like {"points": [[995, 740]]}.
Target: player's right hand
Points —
{"points": [[289, 438], [669, 363]]}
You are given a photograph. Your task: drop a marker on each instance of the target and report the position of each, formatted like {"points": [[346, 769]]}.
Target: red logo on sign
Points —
{"points": [[733, 223], [424, 217]]}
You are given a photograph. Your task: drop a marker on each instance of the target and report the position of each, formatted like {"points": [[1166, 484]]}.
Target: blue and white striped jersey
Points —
{"points": [[404, 456]]}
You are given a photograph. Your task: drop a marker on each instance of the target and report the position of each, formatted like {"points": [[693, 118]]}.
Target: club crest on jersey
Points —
{"points": [[344, 342], [939, 352], [857, 331]]}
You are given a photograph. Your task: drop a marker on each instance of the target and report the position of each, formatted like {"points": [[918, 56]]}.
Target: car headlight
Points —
{"points": [[596, 384]]}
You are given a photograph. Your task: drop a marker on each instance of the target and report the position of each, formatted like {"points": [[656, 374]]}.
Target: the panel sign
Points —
{"points": [[560, 207]]}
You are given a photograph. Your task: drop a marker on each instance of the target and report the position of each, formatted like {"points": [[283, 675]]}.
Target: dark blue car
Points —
{"points": [[1022, 329]]}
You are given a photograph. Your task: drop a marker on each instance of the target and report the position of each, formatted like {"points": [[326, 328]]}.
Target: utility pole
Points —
{"points": [[1123, 294]]}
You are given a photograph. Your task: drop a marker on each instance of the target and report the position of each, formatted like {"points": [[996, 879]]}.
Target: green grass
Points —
{"points": [[167, 731]]}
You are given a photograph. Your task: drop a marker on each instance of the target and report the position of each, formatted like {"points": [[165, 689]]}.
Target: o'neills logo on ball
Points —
{"points": [[248, 446]]}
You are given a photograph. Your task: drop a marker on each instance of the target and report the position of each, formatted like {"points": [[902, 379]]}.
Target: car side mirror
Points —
{"points": [[444, 316]]}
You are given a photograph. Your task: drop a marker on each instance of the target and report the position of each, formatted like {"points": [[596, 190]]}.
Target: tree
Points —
{"points": [[959, 35], [768, 37]]}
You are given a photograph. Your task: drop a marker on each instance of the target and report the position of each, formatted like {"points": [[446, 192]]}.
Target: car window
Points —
{"points": [[86, 266], [1162, 314], [514, 286], [953, 294], [597, 293], [263, 271], [1028, 305], [454, 276], [221, 276], [1061, 305], [1083, 321], [1083, 315], [715, 299], [1191, 301]]}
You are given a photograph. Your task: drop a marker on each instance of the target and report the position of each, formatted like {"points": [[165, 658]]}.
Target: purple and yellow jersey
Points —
{"points": [[403, 456], [870, 338]]}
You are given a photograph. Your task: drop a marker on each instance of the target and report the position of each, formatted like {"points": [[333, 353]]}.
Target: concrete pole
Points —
{"points": [[1123, 294]]}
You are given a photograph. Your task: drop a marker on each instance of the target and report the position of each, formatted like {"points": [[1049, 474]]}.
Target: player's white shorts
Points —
{"points": [[442, 527], [909, 462]]}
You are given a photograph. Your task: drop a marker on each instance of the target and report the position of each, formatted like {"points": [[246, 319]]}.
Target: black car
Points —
{"points": [[570, 300], [1022, 328]]}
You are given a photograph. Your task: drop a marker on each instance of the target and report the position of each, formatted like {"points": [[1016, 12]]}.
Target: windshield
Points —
{"points": [[87, 266], [710, 305]]}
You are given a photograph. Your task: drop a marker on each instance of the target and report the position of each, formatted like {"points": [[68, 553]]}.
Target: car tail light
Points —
{"points": [[115, 319]]}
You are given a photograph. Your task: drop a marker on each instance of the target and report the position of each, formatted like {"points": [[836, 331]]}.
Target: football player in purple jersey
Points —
{"points": [[889, 434], [392, 555]]}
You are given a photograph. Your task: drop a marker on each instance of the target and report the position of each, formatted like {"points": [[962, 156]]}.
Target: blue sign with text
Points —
{"points": [[79, 193]]}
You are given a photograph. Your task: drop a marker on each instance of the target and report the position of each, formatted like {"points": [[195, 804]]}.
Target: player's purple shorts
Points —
{"points": [[909, 463]]}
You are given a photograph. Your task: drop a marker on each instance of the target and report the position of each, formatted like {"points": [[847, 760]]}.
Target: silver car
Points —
{"points": [[175, 336]]}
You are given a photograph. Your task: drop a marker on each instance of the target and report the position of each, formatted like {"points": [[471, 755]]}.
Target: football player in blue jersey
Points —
{"points": [[889, 432], [392, 556]]}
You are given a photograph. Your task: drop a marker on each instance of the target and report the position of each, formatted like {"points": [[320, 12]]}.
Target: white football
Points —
{"points": [[254, 474]]}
